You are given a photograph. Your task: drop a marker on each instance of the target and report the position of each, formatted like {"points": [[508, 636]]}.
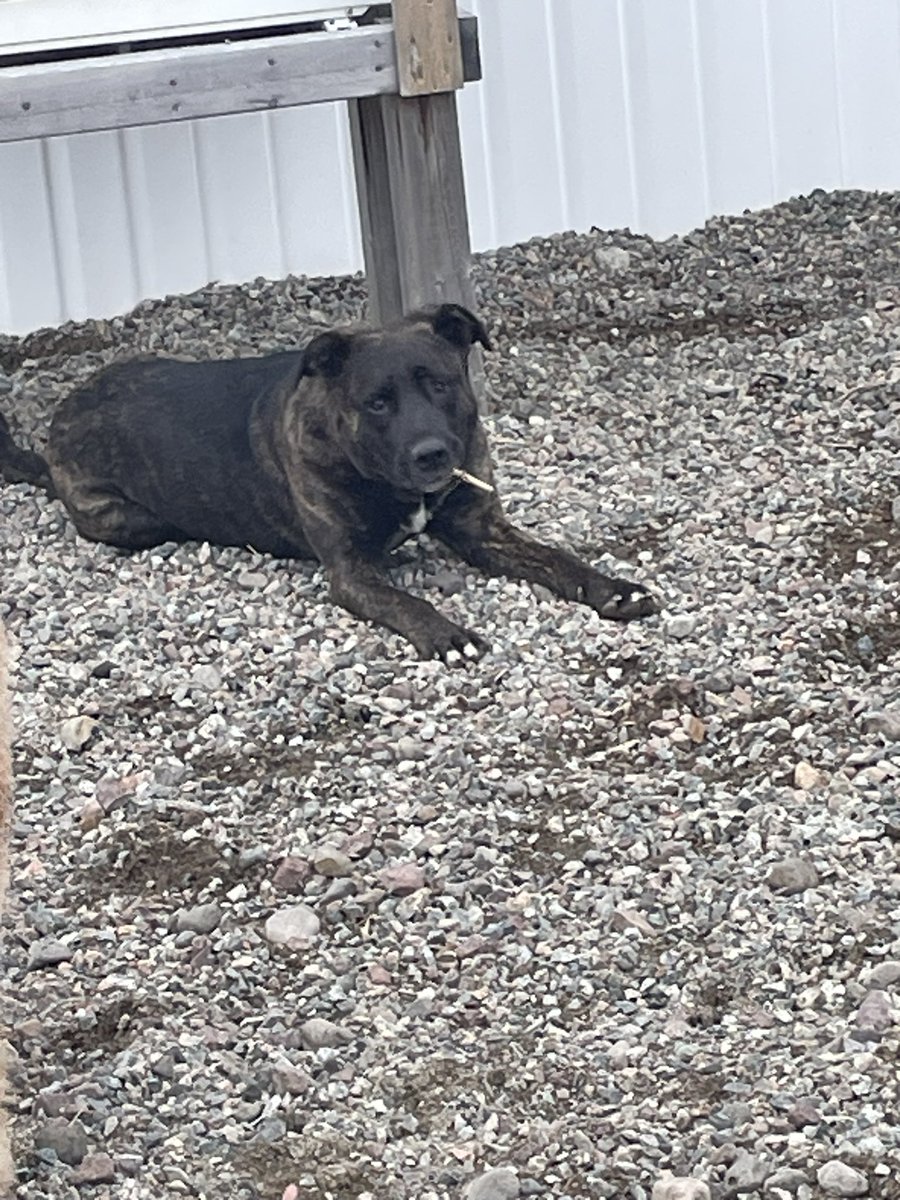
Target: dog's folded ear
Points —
{"points": [[326, 354], [454, 324]]}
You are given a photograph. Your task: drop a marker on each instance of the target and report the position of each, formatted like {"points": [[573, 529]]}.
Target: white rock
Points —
{"points": [[206, 676], [682, 625], [806, 777], [838, 1179], [680, 1187], [75, 732], [500, 1183], [294, 927]]}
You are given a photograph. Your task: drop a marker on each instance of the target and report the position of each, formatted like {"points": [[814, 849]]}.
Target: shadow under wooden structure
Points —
{"points": [[397, 67]]}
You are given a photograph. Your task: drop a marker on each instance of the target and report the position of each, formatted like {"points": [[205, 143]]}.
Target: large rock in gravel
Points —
{"points": [[318, 1033], [747, 1173], [886, 722], [786, 1179], [500, 1183], [806, 777], [680, 1187], [67, 1139], [838, 1179], [328, 860], [876, 1013], [792, 875], [96, 1168], [292, 874], [207, 677], [75, 732], [202, 918], [293, 927], [884, 975], [48, 952], [402, 878]]}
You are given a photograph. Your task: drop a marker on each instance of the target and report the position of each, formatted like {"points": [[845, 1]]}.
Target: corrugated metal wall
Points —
{"points": [[648, 113]]}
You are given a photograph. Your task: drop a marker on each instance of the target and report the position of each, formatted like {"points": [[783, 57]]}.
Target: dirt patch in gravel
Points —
{"points": [[154, 859]]}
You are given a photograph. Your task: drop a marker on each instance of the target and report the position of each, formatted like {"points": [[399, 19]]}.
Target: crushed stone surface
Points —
{"points": [[613, 912]]}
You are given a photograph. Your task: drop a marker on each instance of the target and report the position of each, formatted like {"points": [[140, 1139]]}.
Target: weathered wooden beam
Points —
{"points": [[412, 205], [376, 212], [429, 58], [147, 87]]}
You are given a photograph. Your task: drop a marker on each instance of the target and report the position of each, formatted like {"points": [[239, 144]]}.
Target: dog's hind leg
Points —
{"points": [[22, 466], [105, 515]]}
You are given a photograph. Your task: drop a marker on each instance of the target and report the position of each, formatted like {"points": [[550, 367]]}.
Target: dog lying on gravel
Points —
{"points": [[337, 452]]}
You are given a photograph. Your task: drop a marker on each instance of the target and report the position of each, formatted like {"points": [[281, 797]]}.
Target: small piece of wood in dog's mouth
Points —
{"points": [[467, 478]]}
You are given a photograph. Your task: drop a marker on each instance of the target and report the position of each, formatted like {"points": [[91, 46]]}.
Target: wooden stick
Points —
{"points": [[467, 478]]}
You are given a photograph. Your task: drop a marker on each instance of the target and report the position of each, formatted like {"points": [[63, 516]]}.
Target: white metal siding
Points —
{"points": [[653, 114]]}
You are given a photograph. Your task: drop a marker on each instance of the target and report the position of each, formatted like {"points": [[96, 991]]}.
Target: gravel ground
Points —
{"points": [[295, 915]]}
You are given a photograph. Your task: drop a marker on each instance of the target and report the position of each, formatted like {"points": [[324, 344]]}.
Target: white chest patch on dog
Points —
{"points": [[414, 523], [417, 520]]}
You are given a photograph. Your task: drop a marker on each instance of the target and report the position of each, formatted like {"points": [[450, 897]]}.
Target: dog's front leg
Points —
{"points": [[478, 531], [364, 590]]}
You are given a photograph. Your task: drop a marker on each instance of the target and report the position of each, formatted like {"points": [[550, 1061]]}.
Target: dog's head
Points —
{"points": [[399, 401]]}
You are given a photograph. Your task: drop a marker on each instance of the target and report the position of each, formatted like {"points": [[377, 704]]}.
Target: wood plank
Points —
{"points": [[50, 24], [428, 49], [155, 86], [412, 205], [376, 217]]}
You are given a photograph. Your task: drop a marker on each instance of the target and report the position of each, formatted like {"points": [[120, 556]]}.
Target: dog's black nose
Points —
{"points": [[430, 456]]}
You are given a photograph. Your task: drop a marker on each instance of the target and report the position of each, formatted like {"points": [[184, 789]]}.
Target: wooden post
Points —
{"points": [[426, 33], [412, 207], [412, 202]]}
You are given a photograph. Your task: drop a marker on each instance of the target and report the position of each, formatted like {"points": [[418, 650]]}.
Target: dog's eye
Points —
{"points": [[377, 403]]}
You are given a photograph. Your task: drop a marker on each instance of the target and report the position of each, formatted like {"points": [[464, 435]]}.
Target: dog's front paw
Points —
{"points": [[448, 642], [621, 600]]}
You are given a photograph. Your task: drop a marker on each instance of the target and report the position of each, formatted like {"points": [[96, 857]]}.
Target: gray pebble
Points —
{"points": [[67, 1139], [876, 1013], [838, 1179], [328, 860], [318, 1033], [792, 875], [884, 974], [48, 952], [293, 927], [207, 677], [202, 918], [787, 1179], [682, 625], [747, 1173], [500, 1183]]}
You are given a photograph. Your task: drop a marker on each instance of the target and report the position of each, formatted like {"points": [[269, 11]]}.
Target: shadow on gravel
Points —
{"points": [[154, 859], [318, 1166], [876, 534], [675, 323], [115, 1026]]}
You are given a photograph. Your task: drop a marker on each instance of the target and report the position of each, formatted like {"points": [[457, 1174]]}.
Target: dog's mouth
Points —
{"points": [[430, 464]]}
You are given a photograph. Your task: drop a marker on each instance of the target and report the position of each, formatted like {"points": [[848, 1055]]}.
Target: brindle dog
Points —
{"points": [[337, 452]]}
